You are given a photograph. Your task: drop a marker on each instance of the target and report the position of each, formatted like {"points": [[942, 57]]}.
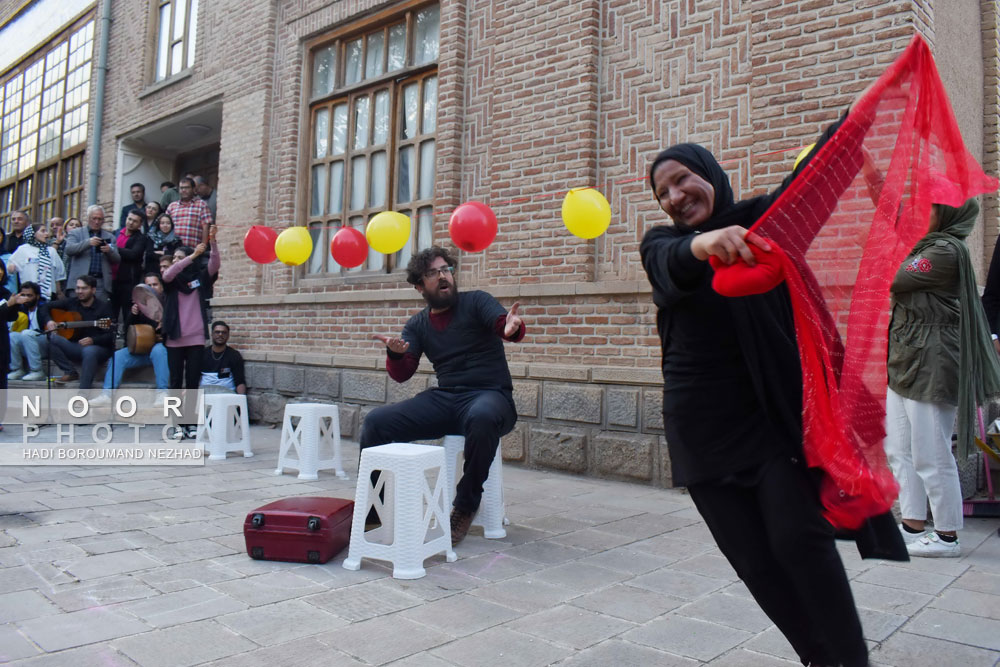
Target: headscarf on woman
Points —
{"points": [[45, 275]]}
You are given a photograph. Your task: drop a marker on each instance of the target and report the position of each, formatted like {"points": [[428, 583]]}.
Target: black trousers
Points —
{"points": [[185, 366], [773, 533], [482, 416], [121, 303]]}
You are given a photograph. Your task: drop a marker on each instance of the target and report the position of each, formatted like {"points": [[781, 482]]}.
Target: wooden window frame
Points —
{"points": [[188, 34]]}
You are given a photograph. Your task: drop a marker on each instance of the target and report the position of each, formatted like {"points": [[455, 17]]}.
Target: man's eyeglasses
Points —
{"points": [[431, 274]]}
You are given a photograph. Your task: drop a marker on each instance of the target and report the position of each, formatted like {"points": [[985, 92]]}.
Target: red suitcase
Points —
{"points": [[302, 530]]}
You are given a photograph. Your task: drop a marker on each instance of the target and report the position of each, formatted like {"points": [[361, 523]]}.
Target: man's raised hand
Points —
{"points": [[513, 324], [395, 345]]}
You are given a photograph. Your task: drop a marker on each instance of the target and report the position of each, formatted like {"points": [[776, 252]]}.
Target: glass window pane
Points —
{"points": [[359, 170], [339, 129], [380, 131], [376, 260], [318, 202], [318, 257], [163, 43], [427, 169], [405, 182], [321, 142], [352, 64], [379, 178], [374, 55], [430, 104], [425, 35], [180, 7], [425, 227], [404, 255], [397, 46], [192, 32], [336, 187], [410, 99], [361, 122], [176, 57], [359, 224], [324, 68]]}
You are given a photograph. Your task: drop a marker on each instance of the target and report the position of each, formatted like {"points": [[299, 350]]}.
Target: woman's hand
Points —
{"points": [[728, 244]]}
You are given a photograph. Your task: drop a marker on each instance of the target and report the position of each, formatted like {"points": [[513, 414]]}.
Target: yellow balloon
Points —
{"points": [[294, 245], [586, 213], [802, 154], [388, 232]]}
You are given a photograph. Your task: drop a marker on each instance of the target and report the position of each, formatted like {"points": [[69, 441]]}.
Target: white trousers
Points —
{"points": [[918, 445]]}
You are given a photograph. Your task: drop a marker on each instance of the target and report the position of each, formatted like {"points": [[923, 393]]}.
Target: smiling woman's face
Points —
{"points": [[682, 194]]}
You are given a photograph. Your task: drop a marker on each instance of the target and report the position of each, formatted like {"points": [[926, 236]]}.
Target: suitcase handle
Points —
{"points": [[313, 523], [257, 520]]}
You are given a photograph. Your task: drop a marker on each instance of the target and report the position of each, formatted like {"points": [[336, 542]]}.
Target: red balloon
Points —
{"points": [[473, 226], [259, 244], [349, 247]]}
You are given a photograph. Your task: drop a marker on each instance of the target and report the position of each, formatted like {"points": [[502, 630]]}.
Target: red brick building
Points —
{"points": [[322, 113]]}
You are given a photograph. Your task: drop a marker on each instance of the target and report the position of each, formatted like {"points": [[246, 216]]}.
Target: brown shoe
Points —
{"points": [[460, 523], [68, 377]]}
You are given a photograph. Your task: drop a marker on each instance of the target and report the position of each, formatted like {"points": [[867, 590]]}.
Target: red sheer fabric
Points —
{"points": [[839, 243]]}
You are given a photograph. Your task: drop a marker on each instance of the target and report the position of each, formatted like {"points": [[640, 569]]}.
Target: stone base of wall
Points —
{"points": [[603, 422]]}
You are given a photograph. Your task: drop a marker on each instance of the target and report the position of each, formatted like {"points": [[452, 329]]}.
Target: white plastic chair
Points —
{"points": [[315, 439], [492, 513], [223, 425], [414, 512]]}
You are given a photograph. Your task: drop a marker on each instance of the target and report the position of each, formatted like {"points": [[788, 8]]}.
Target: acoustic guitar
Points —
{"points": [[69, 321]]}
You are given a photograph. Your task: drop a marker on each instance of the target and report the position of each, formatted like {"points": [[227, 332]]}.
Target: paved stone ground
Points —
{"points": [[124, 566]]}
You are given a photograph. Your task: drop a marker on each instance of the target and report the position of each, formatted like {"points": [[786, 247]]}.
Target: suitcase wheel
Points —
{"points": [[257, 552], [313, 523], [257, 521], [313, 556]]}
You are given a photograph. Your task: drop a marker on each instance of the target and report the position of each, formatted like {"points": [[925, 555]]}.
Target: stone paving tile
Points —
{"points": [[547, 552], [307, 652], [592, 539], [96, 655], [193, 550], [644, 526], [53, 533], [743, 658], [460, 615], [14, 645], [441, 581], [19, 578], [970, 630], [277, 623], [501, 647], [185, 531], [626, 654], [23, 605], [268, 588], [75, 596], [104, 565], [628, 602], [116, 524], [729, 610], [420, 660], [173, 578], [884, 598], [183, 645], [556, 524], [687, 637], [524, 594], [684, 585], [977, 580], [909, 650], [124, 541], [772, 642], [193, 604], [397, 638], [626, 559], [88, 626], [964, 602], [907, 580], [571, 626], [709, 564], [364, 601], [671, 547], [41, 552], [580, 577], [495, 566], [878, 625]]}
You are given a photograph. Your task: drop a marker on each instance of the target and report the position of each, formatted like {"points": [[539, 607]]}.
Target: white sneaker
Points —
{"points": [[161, 396], [34, 376], [103, 399], [932, 546], [16, 375], [910, 538]]}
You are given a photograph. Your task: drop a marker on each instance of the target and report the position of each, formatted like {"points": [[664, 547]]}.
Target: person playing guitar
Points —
{"points": [[90, 340]]}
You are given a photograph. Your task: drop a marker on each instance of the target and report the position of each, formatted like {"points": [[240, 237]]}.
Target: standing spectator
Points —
{"points": [[36, 261], [9, 280], [191, 216], [55, 227], [162, 241], [18, 221], [138, 204], [59, 241], [30, 342], [206, 192], [165, 261], [132, 247], [8, 313], [91, 252], [153, 211], [168, 194]]}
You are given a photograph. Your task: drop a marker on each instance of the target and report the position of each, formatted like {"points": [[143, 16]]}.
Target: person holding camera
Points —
{"points": [[90, 251]]}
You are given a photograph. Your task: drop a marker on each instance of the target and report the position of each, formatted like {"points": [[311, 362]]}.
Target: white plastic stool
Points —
{"points": [[492, 513], [316, 440], [224, 425], [415, 517]]}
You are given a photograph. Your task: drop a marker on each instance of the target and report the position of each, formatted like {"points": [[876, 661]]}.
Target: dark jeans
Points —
{"points": [[185, 366], [121, 303], [482, 416], [775, 537], [65, 353]]}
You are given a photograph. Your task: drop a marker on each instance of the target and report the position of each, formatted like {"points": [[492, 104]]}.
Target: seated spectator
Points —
{"points": [[221, 365], [191, 215], [157, 357], [127, 273], [138, 204], [38, 262], [29, 342], [91, 346], [162, 240]]}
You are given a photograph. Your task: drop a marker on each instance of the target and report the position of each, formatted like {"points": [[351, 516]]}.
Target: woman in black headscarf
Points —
{"points": [[732, 409]]}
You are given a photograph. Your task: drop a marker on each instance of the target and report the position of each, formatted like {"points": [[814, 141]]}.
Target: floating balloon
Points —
{"points": [[259, 244], [349, 247], [586, 213], [473, 226], [802, 155], [294, 245], [388, 232]]}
